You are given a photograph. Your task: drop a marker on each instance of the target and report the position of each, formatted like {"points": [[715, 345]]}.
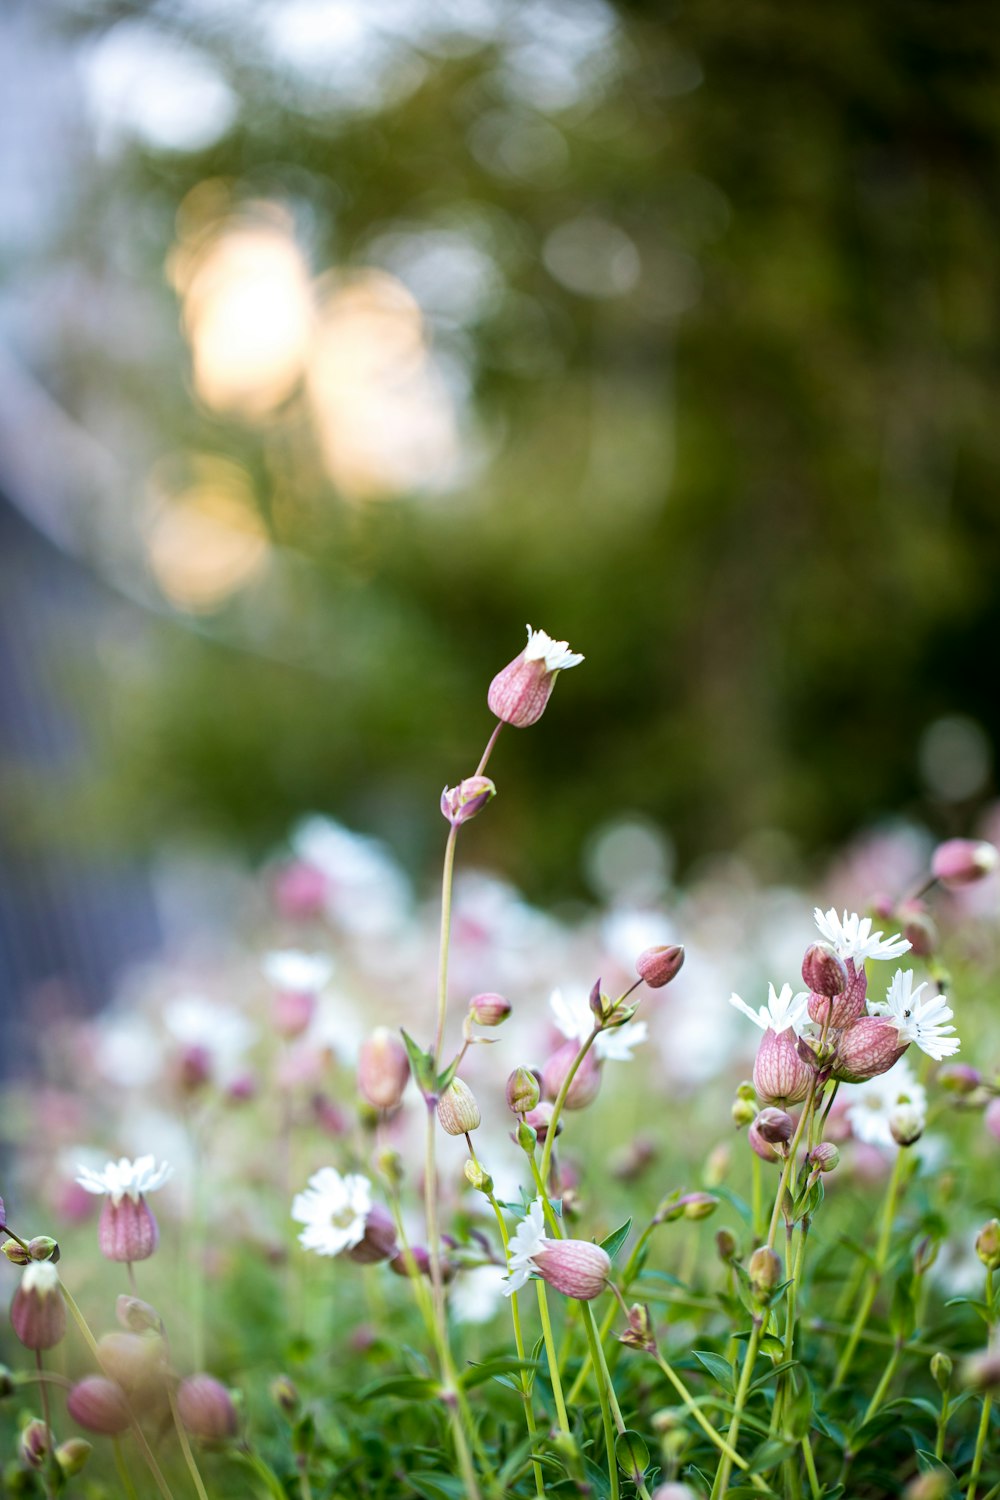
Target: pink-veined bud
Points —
{"points": [[137, 1316], [775, 1125], [523, 1091], [824, 1157], [823, 971], [918, 928], [759, 1146], [519, 693], [457, 1109], [489, 1009], [37, 1311], [846, 1006], [959, 862], [577, 1268], [461, 803], [98, 1404], [383, 1069], [206, 1409], [780, 1075], [867, 1048], [586, 1081], [378, 1241], [658, 966], [127, 1230]]}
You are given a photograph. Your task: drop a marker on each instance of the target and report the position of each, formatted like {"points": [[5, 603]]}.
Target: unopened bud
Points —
{"points": [[518, 694], [285, 1395], [958, 1078], [461, 803], [389, 1164], [919, 931], [759, 1146], [383, 1069], [488, 1009], [577, 1268], [38, 1312], [35, 1444], [15, 1253], [988, 1245], [527, 1135], [98, 1404], [941, 1370], [586, 1079], [824, 972], [825, 1157], [906, 1124], [137, 1316], [744, 1112], [378, 1241], [726, 1245], [765, 1271], [477, 1177], [981, 1372], [72, 1455], [639, 1334], [774, 1125], [457, 1109], [933, 1484], [667, 1420], [412, 1262], [523, 1091], [43, 1247], [658, 966], [539, 1121], [959, 862], [697, 1205], [206, 1409]]}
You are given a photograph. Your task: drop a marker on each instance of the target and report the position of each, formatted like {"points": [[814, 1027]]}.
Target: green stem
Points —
{"points": [[628, 1276], [182, 1436], [261, 1469], [602, 1391], [710, 1432], [123, 1473], [942, 1425], [810, 1463], [725, 1468], [977, 1461], [890, 1369], [560, 1100], [515, 1314], [553, 1359], [875, 1276], [757, 1198]]}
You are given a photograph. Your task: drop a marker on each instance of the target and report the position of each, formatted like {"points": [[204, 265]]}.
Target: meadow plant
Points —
{"points": [[809, 1347]]}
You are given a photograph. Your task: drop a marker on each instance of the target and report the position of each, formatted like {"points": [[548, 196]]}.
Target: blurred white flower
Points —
{"points": [[475, 1294], [782, 1011], [298, 973], [334, 1210], [871, 1105], [223, 1032], [367, 893], [575, 1019], [124, 1178], [917, 1019], [852, 937], [555, 654], [525, 1243]]}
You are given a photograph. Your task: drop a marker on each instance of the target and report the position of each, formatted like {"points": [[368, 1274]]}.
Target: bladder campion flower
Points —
{"points": [[519, 693], [852, 938], [38, 1312], [577, 1268], [918, 1019], [334, 1210], [128, 1230]]}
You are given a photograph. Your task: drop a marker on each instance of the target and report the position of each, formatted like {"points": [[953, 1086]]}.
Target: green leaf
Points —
{"points": [[500, 1364], [446, 1077], [616, 1239], [830, 1430], [405, 1387], [422, 1066], [903, 1312], [632, 1454], [762, 1380], [928, 1464], [437, 1486], [770, 1454], [720, 1369]]}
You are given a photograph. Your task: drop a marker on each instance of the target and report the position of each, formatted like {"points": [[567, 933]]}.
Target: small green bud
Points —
{"points": [[389, 1164], [72, 1455], [765, 1271], [941, 1368], [43, 1247], [698, 1205], [478, 1178], [526, 1137], [523, 1091], [726, 1245], [15, 1253], [988, 1245], [744, 1112], [747, 1091], [717, 1165], [284, 1395]]}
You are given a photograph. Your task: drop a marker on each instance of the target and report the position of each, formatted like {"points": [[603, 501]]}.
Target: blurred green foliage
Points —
{"points": [[756, 488]]}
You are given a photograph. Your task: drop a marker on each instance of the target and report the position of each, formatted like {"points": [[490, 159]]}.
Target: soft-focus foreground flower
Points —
{"points": [[871, 1105], [960, 862], [577, 1268], [852, 938], [334, 1210], [918, 1018], [38, 1312], [300, 973], [519, 693], [575, 1019], [128, 1230], [206, 1409]]}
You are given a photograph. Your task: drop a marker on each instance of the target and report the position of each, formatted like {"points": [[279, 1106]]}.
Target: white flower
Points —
{"points": [[852, 937], [334, 1210], [125, 1179], [871, 1105], [555, 654], [297, 973], [476, 1293], [575, 1019], [224, 1033], [525, 1242], [781, 1011], [41, 1276], [917, 1019]]}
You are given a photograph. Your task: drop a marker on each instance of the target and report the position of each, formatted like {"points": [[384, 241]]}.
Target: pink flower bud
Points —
{"points": [[658, 966], [206, 1409], [775, 1125], [193, 1068], [488, 1009], [457, 1109], [38, 1312], [823, 971], [414, 1261], [586, 1081], [577, 1268], [127, 1230], [847, 1005], [906, 1124], [35, 1444], [99, 1405], [137, 1362], [988, 1245], [780, 1075], [959, 862], [540, 1118], [697, 1205], [523, 1091], [519, 693], [759, 1146], [461, 803], [378, 1241], [137, 1316], [383, 1069], [292, 1011], [959, 1078], [825, 1157], [867, 1048]]}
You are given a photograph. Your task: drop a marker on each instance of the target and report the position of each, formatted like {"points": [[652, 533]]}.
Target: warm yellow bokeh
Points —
{"points": [[205, 540]]}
